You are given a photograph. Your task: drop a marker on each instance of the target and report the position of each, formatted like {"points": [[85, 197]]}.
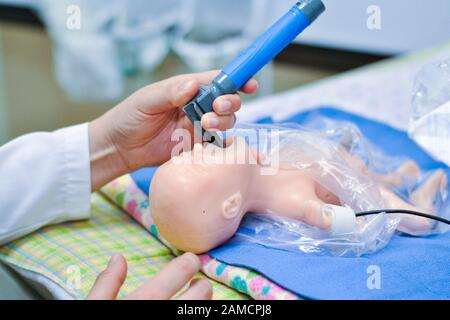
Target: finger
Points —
{"points": [[172, 93], [213, 122], [250, 87], [170, 280], [227, 105], [182, 93], [177, 91], [204, 78], [110, 281], [199, 289], [185, 87]]}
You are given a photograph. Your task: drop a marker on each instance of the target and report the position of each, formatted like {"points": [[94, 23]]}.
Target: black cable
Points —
{"points": [[401, 211]]}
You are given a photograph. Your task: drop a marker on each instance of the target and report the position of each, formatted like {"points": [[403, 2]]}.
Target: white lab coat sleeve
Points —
{"points": [[45, 179]]}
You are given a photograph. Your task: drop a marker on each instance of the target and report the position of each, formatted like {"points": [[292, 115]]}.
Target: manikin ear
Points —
{"points": [[232, 206]]}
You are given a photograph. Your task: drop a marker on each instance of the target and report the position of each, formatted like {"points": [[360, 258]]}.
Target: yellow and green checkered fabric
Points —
{"points": [[84, 247]]}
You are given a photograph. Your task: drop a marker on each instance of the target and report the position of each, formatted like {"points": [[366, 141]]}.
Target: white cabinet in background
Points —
{"points": [[406, 25]]}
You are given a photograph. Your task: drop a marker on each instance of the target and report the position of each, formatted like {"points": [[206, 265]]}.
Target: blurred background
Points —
{"points": [[64, 62]]}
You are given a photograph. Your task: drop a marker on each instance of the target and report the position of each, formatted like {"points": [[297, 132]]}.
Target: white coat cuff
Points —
{"points": [[73, 145]]}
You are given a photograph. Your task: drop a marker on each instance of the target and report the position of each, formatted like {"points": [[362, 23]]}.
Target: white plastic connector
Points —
{"points": [[343, 219]]}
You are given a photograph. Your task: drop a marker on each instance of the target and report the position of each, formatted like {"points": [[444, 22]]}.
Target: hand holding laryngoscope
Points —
{"points": [[252, 60]]}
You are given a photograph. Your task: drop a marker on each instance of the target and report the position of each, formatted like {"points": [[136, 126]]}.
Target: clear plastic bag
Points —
{"points": [[338, 158], [372, 234], [430, 118]]}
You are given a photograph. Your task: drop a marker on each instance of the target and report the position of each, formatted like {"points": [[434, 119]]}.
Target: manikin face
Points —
{"points": [[198, 199]]}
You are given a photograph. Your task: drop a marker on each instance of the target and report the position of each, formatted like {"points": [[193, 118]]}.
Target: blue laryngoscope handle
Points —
{"points": [[252, 60], [266, 47]]}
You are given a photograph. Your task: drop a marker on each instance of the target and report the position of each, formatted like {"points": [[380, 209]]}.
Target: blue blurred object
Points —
{"points": [[143, 178], [409, 267]]}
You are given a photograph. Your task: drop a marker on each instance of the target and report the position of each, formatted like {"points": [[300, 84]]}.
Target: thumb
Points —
{"points": [[172, 93], [110, 281], [182, 93]]}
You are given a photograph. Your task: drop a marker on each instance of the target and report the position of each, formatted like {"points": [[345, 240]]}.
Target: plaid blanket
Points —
{"points": [[73, 254]]}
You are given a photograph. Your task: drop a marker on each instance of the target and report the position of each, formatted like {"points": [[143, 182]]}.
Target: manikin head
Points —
{"points": [[199, 198]]}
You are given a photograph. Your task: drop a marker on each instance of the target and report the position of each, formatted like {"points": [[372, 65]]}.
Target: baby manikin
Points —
{"points": [[199, 198]]}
